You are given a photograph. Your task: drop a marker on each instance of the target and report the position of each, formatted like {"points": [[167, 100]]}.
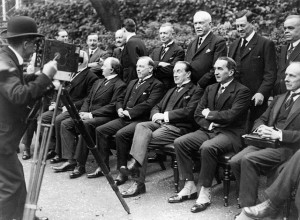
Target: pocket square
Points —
{"points": [[144, 93], [207, 51], [187, 97]]}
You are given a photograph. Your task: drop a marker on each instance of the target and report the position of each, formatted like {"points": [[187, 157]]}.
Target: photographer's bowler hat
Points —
{"points": [[19, 26]]}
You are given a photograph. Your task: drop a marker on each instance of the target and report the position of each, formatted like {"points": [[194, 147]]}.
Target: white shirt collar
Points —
{"points": [[111, 76], [92, 51], [168, 44], [20, 59], [249, 37], [129, 36], [184, 83], [203, 38], [226, 84], [147, 77], [295, 43]]}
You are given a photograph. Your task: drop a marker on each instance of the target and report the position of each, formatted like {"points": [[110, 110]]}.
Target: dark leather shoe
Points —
{"points": [[67, 166], [156, 158], [40, 218], [97, 173], [177, 199], [132, 168], [134, 190], [200, 207], [261, 210], [56, 159], [77, 172], [26, 155], [50, 154], [121, 179]]}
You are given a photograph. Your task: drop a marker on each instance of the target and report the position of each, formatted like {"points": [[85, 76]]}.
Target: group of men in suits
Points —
{"points": [[205, 111], [214, 112]]}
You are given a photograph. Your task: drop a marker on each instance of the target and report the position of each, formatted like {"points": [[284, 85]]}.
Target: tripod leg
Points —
{"points": [[38, 164], [91, 145]]}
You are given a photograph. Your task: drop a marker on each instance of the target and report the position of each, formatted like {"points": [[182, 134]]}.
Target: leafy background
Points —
{"points": [[80, 18]]}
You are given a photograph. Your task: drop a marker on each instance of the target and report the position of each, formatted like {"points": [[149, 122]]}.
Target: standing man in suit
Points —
{"points": [[290, 52], [97, 109], [133, 107], [17, 91], [166, 56], [171, 118], [281, 122], [279, 191], [204, 50], [256, 63], [134, 48], [94, 53], [120, 43], [221, 115]]}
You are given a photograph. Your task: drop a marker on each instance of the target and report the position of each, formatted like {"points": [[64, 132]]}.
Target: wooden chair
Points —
{"points": [[223, 162]]}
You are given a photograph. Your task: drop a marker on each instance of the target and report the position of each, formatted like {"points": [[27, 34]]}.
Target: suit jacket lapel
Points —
{"points": [[182, 92], [250, 46], [277, 107], [225, 95], [129, 91], [142, 89], [14, 58], [212, 96], [96, 89], [294, 54], [167, 98], [78, 78], [206, 41], [293, 113], [169, 53]]}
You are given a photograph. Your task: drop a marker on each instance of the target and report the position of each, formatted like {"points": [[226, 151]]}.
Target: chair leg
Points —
{"points": [[161, 162], [226, 184], [176, 173]]}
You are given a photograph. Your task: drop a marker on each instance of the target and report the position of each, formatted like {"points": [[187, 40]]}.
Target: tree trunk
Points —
{"points": [[108, 11]]}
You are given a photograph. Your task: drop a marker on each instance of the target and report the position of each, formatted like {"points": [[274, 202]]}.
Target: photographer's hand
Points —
{"points": [[50, 69]]}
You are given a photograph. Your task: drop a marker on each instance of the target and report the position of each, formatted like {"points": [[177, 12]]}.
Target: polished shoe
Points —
{"points": [[121, 179], [261, 210], [26, 155], [131, 169], [97, 173], [177, 198], [67, 166], [40, 218], [134, 190], [200, 207], [56, 159], [50, 154], [77, 172], [156, 158]]}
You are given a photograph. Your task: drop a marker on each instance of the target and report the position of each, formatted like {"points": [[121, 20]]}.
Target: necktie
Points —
{"points": [[243, 45], [140, 82], [220, 91], [91, 54], [290, 51], [199, 42], [164, 51], [290, 100], [178, 89]]}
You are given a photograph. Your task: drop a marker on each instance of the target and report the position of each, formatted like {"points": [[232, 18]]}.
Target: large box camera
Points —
{"points": [[66, 55]]}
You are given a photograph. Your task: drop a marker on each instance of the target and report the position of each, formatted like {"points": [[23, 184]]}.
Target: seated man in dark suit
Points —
{"points": [[166, 56], [221, 115], [98, 108], [279, 191], [281, 121], [133, 107], [171, 118]]}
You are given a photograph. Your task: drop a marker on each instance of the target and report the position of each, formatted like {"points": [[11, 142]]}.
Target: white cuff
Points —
{"points": [[90, 115], [166, 117]]}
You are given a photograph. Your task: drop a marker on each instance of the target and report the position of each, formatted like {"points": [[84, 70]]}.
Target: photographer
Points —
{"points": [[16, 92]]}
